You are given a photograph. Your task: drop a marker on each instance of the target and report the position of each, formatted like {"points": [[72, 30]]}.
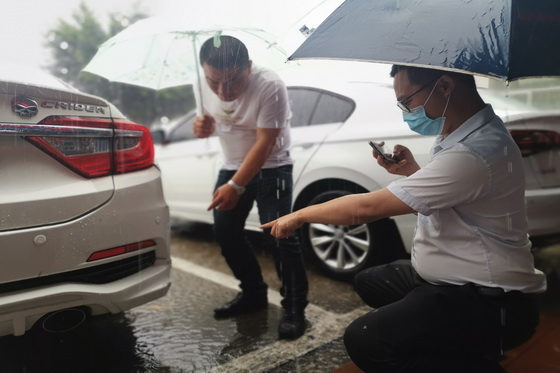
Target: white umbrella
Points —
{"points": [[162, 52]]}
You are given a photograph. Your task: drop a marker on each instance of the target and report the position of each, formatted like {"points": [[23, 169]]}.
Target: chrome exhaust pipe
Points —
{"points": [[63, 320]]}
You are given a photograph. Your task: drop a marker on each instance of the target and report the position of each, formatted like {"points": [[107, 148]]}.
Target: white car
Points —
{"points": [[84, 227], [335, 112]]}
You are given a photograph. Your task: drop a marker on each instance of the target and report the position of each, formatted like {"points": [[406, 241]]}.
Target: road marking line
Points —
{"points": [[228, 281], [325, 327], [204, 272], [218, 277]]}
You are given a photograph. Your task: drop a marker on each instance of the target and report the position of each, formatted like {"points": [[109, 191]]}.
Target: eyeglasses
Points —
{"points": [[401, 104]]}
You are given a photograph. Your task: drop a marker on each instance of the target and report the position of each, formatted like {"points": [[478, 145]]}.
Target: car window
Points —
{"points": [[302, 103], [182, 129], [500, 101], [332, 109], [313, 106]]}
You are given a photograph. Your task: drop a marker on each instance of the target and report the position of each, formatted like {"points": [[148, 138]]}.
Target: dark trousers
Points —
{"points": [[420, 327], [272, 191]]}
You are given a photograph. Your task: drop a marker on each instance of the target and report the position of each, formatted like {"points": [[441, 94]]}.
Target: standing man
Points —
{"points": [[248, 107], [469, 289]]}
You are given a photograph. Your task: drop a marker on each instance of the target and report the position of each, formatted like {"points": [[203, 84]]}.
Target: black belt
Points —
{"points": [[486, 291], [490, 291]]}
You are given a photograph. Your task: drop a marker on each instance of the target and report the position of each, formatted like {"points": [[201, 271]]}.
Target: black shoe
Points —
{"points": [[241, 304], [292, 326]]}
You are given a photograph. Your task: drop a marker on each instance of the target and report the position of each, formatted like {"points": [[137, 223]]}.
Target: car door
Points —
{"points": [[316, 113], [189, 167]]}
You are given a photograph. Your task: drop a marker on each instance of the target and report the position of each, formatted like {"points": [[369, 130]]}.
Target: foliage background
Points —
{"points": [[74, 42]]}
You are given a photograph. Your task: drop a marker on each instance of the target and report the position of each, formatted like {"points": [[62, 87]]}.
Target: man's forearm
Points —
{"points": [[355, 209], [257, 155], [251, 165]]}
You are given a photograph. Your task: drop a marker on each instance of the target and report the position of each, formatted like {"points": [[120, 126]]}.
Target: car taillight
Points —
{"points": [[94, 147], [134, 148], [533, 142], [120, 250]]}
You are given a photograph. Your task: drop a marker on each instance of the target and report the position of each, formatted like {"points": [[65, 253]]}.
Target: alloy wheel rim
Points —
{"points": [[340, 247]]}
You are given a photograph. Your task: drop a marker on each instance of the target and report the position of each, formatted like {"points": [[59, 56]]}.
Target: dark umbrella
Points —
{"points": [[507, 39]]}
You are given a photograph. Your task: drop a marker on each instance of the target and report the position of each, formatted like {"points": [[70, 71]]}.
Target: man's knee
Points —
{"points": [[381, 272], [363, 279], [366, 345], [354, 341], [362, 337], [384, 284]]}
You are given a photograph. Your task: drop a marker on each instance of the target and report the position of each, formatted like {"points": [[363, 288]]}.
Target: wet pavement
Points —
{"points": [[254, 345], [178, 333]]}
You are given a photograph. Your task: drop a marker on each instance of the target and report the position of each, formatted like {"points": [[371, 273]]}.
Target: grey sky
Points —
{"points": [[24, 25]]}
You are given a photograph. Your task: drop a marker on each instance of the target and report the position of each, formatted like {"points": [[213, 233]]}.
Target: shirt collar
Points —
{"points": [[465, 129]]}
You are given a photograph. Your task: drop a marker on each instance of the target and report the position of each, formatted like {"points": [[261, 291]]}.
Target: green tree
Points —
{"points": [[74, 42]]}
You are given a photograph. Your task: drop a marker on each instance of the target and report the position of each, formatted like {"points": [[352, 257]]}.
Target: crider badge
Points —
{"points": [[25, 107]]}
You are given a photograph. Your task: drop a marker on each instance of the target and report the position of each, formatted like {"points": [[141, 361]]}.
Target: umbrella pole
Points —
{"points": [[198, 91]]}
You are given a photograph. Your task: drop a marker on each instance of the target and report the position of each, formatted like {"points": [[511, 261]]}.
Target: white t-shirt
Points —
{"points": [[264, 104], [470, 200]]}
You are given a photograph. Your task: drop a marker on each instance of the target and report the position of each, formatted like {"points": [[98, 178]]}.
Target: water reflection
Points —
{"points": [[103, 344], [250, 336], [176, 333]]}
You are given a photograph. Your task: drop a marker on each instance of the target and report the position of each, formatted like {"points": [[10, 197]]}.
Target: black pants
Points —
{"points": [[272, 191], [420, 327]]}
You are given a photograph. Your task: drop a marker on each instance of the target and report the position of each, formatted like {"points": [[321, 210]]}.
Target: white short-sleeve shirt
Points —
{"points": [[263, 104], [470, 200]]}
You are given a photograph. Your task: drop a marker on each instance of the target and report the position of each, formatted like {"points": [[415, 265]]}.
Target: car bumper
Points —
{"points": [[542, 211], [21, 310], [136, 213]]}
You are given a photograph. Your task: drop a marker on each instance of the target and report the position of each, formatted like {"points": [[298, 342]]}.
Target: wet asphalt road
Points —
{"points": [[178, 333]]}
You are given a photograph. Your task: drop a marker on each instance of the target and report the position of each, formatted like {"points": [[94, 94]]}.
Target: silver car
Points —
{"points": [[336, 111], [84, 227]]}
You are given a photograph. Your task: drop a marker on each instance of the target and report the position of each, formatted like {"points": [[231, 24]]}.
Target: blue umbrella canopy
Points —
{"points": [[505, 39]]}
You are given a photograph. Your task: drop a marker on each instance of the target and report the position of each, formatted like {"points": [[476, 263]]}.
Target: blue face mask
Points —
{"points": [[419, 122]]}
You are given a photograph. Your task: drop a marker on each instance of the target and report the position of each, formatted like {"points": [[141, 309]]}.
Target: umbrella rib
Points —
{"points": [[162, 66]]}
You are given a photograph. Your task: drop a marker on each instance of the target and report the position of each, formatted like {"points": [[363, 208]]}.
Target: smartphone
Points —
{"points": [[379, 151]]}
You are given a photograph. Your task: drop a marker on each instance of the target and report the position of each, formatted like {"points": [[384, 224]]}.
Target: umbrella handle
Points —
{"points": [[198, 100], [198, 91]]}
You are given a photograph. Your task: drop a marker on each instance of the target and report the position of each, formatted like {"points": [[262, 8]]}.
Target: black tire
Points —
{"points": [[342, 251]]}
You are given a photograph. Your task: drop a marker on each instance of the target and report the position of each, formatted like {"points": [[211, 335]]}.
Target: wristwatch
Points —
{"points": [[238, 188]]}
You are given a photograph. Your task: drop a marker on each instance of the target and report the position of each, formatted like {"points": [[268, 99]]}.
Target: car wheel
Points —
{"points": [[341, 251]]}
